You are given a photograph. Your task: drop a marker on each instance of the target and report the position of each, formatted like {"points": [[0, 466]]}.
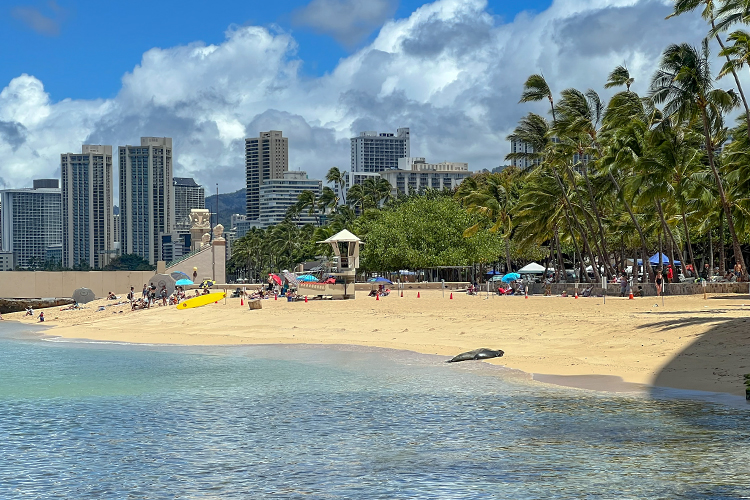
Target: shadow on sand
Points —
{"points": [[720, 357]]}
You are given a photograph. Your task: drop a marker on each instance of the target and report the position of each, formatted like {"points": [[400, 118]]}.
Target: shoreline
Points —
{"points": [[688, 343], [597, 383]]}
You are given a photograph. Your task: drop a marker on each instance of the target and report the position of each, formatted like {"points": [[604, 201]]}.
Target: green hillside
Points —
{"points": [[229, 203]]}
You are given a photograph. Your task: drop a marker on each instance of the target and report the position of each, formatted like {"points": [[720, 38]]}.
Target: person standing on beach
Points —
{"points": [[670, 274], [737, 270], [659, 282], [41, 317], [131, 296], [145, 292], [623, 284]]}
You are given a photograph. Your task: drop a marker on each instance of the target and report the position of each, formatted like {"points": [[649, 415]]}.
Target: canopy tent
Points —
{"points": [[654, 259], [341, 236], [532, 268]]}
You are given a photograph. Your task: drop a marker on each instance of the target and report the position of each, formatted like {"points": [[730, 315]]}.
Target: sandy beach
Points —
{"points": [[686, 343]]}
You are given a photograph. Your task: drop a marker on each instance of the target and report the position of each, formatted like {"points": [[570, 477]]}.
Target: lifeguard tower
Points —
{"points": [[345, 247]]}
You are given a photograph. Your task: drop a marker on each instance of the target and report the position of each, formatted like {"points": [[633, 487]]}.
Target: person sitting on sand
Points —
{"points": [[205, 291], [29, 311], [111, 296]]}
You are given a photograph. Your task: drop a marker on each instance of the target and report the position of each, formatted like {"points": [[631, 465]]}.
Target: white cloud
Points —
{"points": [[451, 72]]}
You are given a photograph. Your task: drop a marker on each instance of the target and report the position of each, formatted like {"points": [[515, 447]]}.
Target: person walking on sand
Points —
{"points": [[41, 317], [659, 282], [163, 295]]}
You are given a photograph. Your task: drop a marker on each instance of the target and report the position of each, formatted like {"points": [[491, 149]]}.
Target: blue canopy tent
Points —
{"points": [[654, 260]]}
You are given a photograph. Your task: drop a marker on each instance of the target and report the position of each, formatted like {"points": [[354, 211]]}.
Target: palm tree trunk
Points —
{"points": [[561, 262], [607, 266], [507, 254], [724, 203], [568, 214], [722, 256], [648, 273], [673, 242], [687, 239]]}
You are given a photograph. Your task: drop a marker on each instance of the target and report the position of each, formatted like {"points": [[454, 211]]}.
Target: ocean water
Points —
{"points": [[93, 420]]}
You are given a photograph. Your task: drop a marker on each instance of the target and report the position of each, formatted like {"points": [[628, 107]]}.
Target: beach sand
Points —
{"points": [[686, 343]]}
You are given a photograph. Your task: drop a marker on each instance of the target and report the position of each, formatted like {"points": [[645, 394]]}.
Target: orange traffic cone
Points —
{"points": [[377, 296], [242, 302], [417, 294], [576, 295], [451, 295], [526, 294], [275, 296], [305, 299], [402, 293], [630, 297]]}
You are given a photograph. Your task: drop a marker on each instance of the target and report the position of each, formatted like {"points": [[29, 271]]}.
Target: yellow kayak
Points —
{"points": [[201, 301]]}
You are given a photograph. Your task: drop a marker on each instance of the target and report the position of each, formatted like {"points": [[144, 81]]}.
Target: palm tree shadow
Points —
{"points": [[715, 361]]}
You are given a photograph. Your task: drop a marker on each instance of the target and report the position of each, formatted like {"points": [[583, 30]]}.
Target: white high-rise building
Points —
{"points": [[88, 223], [188, 195], [373, 152], [518, 146], [415, 175], [266, 157], [31, 224], [147, 204], [278, 195]]}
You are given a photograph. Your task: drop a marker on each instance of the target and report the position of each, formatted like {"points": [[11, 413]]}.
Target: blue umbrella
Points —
{"points": [[380, 279], [183, 282], [307, 278], [510, 277]]}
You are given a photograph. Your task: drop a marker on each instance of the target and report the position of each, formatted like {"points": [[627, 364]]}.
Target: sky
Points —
{"points": [[89, 72]]}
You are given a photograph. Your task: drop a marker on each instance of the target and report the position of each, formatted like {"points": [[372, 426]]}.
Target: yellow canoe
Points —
{"points": [[201, 301]]}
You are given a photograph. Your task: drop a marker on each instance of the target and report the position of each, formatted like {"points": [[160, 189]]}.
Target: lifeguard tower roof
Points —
{"points": [[343, 236]]}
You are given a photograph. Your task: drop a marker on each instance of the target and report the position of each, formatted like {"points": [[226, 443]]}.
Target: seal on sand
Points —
{"points": [[482, 353]]}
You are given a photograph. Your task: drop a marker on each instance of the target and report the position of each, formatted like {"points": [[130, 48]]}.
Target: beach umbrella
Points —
{"points": [[510, 277], [179, 275], [160, 280], [207, 283], [307, 278], [291, 278], [380, 279], [275, 278], [83, 295], [183, 282]]}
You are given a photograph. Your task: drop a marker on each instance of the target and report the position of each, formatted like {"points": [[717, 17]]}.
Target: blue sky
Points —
{"points": [[80, 49]]}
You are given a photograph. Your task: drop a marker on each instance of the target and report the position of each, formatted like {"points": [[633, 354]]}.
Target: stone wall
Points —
{"points": [[45, 284], [211, 263]]}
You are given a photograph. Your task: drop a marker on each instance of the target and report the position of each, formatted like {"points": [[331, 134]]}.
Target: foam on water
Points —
{"points": [[111, 421]]}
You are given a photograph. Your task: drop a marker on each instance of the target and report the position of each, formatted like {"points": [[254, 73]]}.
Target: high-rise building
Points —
{"points": [[88, 225], [266, 157], [147, 204], [278, 195], [32, 223], [373, 152], [415, 175], [187, 195]]}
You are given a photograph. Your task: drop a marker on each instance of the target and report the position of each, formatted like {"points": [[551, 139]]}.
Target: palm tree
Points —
{"points": [[684, 85], [377, 190], [355, 197], [307, 200], [536, 89], [338, 178], [731, 12], [620, 76], [737, 54]]}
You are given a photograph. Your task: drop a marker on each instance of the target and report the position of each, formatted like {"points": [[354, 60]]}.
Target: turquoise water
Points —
{"points": [[88, 420]]}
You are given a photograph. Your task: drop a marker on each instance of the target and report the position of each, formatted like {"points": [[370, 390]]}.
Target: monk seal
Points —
{"points": [[482, 353]]}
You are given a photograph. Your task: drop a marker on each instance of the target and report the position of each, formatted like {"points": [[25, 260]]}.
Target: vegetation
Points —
{"points": [[128, 262]]}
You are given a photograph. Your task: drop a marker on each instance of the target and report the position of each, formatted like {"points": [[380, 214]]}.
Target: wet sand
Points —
{"points": [[686, 343]]}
